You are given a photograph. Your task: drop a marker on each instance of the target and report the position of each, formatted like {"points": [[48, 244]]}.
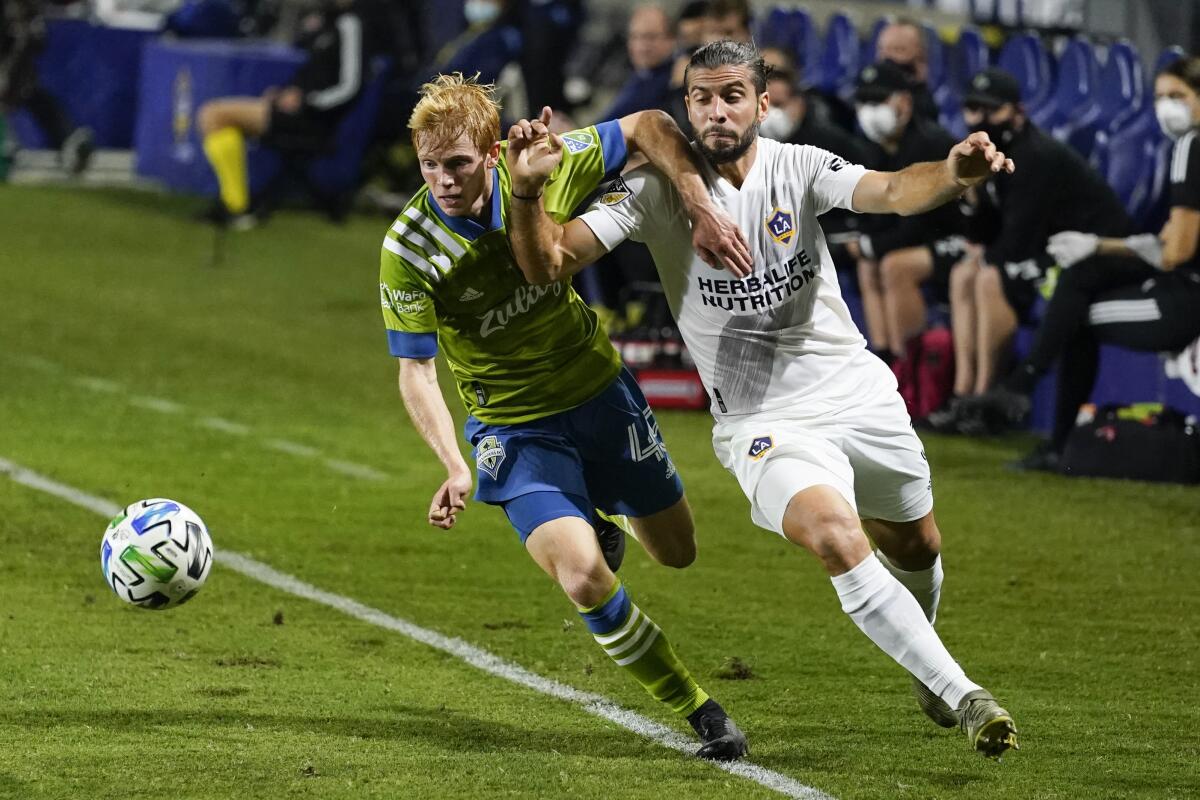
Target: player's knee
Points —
{"points": [[838, 539], [868, 275], [585, 584]]}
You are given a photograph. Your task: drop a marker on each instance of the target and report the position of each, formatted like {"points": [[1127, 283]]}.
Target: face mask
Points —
{"points": [[480, 12], [878, 121], [777, 125], [1174, 117]]}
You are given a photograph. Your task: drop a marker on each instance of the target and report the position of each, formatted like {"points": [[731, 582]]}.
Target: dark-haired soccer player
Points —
{"points": [[807, 420]]}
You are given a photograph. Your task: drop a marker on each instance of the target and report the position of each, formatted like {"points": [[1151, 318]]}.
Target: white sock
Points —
{"points": [[925, 584], [887, 613]]}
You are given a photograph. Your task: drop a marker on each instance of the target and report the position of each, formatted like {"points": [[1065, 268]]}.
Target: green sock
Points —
{"points": [[638, 646]]}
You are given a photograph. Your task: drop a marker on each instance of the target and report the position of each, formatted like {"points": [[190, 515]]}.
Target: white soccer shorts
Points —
{"points": [[868, 452]]}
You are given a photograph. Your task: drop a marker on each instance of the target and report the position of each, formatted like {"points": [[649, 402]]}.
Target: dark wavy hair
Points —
{"points": [[728, 53], [1187, 69]]}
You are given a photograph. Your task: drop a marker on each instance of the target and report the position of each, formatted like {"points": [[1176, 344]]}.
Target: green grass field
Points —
{"points": [[1075, 601]]}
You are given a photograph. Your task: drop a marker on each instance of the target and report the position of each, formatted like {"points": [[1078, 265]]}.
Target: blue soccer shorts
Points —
{"points": [[605, 454]]}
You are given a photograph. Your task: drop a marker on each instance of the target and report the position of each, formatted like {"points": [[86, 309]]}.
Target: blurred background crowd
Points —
{"points": [[311, 101]]}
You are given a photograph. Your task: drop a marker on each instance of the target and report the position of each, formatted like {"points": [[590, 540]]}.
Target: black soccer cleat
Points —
{"points": [[720, 737], [612, 542]]}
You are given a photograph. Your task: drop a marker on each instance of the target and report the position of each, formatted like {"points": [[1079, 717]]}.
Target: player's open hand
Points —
{"points": [[975, 159], [533, 153], [448, 500], [719, 241]]}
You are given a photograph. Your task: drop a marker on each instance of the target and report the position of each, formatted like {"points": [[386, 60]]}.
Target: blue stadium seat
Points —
{"points": [[968, 57], [1134, 161], [791, 30], [838, 63], [1121, 90], [1075, 113], [937, 54], [870, 45], [1026, 58]]}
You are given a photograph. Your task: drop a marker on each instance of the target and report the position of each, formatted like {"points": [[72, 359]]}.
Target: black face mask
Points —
{"points": [[1001, 133]]}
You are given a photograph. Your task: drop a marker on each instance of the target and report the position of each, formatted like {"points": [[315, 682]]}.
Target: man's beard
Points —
{"points": [[726, 154]]}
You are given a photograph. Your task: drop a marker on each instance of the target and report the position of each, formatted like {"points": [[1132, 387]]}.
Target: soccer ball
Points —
{"points": [[156, 554]]}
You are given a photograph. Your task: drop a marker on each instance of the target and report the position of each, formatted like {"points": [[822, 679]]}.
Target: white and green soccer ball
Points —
{"points": [[156, 554]]}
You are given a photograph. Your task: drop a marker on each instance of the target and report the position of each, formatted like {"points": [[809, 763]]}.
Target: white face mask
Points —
{"points": [[778, 125], [878, 121], [480, 12], [1174, 116]]}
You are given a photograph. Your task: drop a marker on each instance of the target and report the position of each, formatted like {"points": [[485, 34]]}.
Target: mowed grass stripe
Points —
{"points": [[163, 406], [480, 659]]}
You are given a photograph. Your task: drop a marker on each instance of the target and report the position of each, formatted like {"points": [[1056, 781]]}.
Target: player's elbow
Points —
{"points": [[540, 275]]}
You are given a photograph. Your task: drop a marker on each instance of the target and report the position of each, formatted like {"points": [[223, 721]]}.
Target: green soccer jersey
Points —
{"points": [[518, 352]]}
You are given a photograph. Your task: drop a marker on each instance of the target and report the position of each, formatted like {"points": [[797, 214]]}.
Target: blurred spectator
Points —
{"points": [[22, 38], [300, 118], [897, 255], [491, 41], [650, 43], [728, 19], [549, 30], [903, 43], [1141, 292], [992, 290], [691, 26]]}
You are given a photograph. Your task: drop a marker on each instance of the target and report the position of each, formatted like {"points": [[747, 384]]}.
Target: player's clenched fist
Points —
{"points": [[533, 153]]}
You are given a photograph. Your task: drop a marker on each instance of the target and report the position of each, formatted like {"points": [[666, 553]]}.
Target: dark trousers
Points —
{"points": [[1110, 300]]}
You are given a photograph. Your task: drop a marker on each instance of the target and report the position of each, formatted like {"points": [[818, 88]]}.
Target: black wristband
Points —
{"points": [[516, 196]]}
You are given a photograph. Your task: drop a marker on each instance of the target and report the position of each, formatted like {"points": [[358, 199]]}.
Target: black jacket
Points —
{"points": [[1052, 189]]}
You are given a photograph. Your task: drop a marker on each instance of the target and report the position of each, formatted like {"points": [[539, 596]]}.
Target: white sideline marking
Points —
{"points": [[223, 425], [292, 448], [481, 659]]}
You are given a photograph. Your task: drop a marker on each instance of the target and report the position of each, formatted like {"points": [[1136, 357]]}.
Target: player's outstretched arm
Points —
{"points": [[716, 238], [427, 407], [921, 187], [545, 250]]}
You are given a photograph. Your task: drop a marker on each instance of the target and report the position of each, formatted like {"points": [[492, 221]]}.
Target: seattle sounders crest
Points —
{"points": [[489, 454]]}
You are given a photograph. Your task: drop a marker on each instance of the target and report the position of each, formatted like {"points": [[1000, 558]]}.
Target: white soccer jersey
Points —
{"points": [[783, 337]]}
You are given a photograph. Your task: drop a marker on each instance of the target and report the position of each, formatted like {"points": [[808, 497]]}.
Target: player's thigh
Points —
{"points": [[249, 114], [892, 480], [626, 464], [774, 460], [669, 536]]}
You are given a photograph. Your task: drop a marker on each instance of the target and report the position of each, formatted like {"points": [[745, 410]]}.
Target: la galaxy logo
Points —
{"points": [[779, 225], [615, 192], [760, 446], [489, 454], [578, 141]]}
